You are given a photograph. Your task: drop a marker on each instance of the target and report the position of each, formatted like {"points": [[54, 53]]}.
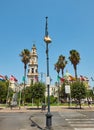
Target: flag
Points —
{"points": [[12, 78], [2, 78], [6, 77], [82, 78], [71, 78], [23, 78], [86, 78], [62, 79], [58, 78]]}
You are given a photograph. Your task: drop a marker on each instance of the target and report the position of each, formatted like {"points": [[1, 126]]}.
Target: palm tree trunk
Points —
{"points": [[62, 72], [75, 69]]}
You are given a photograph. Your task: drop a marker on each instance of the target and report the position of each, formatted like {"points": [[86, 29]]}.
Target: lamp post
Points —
{"points": [[47, 40]]}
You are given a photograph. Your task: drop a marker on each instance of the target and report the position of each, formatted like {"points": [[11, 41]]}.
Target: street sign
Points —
{"points": [[48, 80], [67, 88]]}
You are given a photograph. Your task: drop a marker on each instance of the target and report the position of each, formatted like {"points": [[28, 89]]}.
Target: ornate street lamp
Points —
{"points": [[47, 40]]}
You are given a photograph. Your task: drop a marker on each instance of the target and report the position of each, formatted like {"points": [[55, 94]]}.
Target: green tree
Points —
{"points": [[53, 100], [28, 94], [4, 91], [78, 91], [25, 57], [75, 59], [57, 68], [62, 63], [89, 94], [38, 92], [63, 95]]}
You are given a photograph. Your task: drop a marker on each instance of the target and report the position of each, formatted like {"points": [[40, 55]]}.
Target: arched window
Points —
{"points": [[32, 70]]}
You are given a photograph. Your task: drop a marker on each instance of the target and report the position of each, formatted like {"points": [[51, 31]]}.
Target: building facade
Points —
{"points": [[32, 74]]}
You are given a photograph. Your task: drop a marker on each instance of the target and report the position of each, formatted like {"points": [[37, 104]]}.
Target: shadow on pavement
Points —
{"points": [[33, 108]]}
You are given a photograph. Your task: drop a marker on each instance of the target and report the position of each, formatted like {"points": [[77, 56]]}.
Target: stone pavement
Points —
{"points": [[38, 117], [58, 118], [58, 122]]}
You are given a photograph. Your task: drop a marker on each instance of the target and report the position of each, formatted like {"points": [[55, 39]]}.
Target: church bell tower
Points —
{"points": [[32, 74]]}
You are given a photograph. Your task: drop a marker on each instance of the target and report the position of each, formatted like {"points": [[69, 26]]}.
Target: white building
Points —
{"points": [[53, 90], [32, 74]]}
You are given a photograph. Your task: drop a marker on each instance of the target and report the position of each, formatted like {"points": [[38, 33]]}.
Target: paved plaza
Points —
{"points": [[63, 118]]}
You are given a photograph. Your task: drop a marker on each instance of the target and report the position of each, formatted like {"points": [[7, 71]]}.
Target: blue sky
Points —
{"points": [[70, 26]]}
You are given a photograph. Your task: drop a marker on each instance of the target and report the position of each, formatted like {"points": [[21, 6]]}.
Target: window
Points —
{"points": [[36, 70], [32, 70]]}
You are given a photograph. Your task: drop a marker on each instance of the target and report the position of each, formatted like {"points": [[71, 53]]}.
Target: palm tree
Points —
{"points": [[75, 59], [25, 55], [62, 63], [57, 67]]}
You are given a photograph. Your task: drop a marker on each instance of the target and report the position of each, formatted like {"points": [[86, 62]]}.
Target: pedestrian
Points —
{"points": [[89, 103], [8, 102], [43, 106]]}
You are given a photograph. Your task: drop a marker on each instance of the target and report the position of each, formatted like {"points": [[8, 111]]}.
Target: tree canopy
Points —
{"points": [[38, 92], [60, 64], [75, 59], [78, 91]]}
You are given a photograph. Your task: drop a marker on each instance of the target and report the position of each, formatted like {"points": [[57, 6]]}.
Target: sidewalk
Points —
{"points": [[58, 121], [53, 108]]}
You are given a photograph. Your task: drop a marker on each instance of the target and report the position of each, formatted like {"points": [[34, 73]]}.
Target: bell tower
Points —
{"points": [[32, 74]]}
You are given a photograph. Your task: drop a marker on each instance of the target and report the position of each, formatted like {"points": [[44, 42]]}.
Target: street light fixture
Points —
{"points": [[48, 40]]}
